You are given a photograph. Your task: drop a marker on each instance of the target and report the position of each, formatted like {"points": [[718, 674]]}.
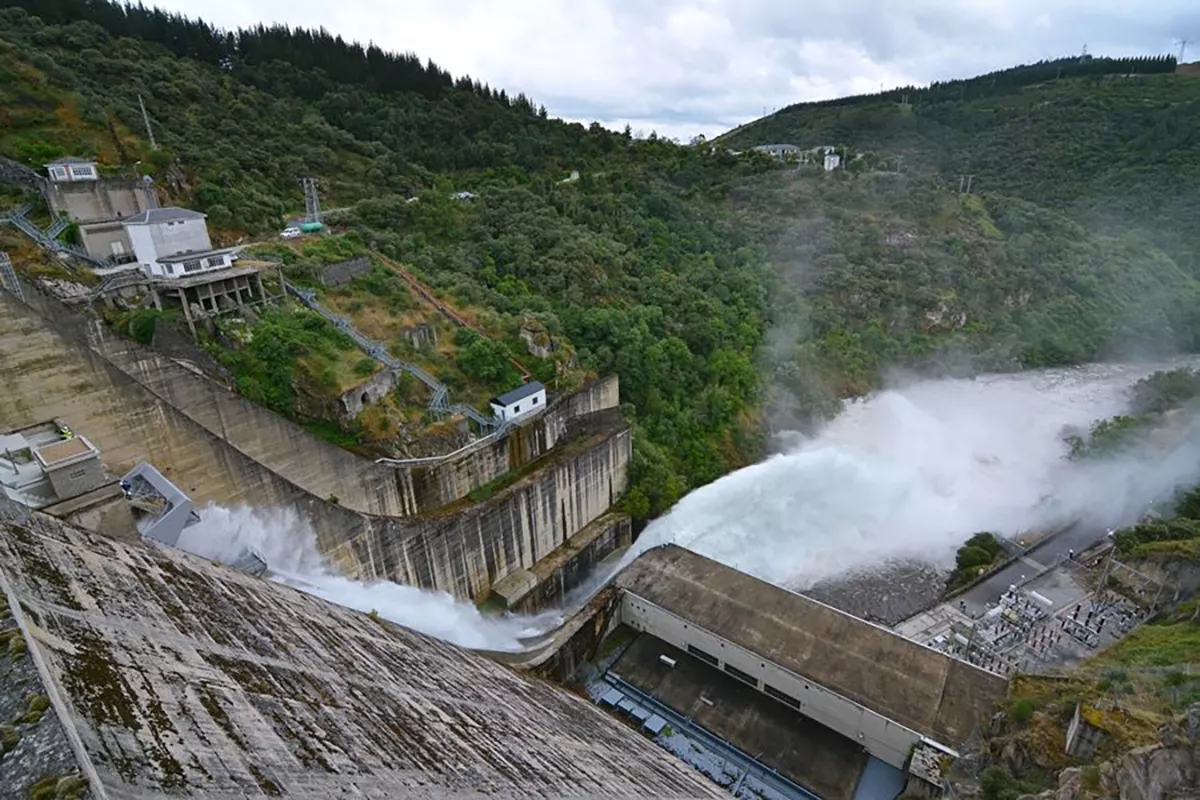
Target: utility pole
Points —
{"points": [[146, 119]]}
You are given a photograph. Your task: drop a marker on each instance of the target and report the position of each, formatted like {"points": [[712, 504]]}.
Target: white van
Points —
{"points": [[290, 233]]}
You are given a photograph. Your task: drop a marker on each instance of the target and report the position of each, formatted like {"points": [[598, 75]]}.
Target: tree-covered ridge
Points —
{"points": [[1118, 153], [1000, 81]]}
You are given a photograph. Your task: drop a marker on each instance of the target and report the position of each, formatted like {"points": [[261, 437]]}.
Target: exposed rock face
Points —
{"points": [[1157, 772], [1169, 770]]}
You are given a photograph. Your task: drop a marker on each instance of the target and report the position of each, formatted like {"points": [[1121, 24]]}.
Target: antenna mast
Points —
{"points": [[146, 119]]}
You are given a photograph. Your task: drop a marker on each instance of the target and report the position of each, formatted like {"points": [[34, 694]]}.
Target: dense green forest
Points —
{"points": [[716, 285]]}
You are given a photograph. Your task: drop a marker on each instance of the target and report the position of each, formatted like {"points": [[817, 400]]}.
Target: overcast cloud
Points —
{"points": [[684, 67]]}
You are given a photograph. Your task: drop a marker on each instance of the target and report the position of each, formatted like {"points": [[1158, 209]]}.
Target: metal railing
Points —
{"points": [[8, 278], [47, 239]]}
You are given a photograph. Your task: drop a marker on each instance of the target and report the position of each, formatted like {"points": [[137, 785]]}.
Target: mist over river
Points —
{"points": [[908, 473], [889, 488]]}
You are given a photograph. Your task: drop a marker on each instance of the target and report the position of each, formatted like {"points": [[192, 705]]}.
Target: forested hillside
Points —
{"points": [[637, 263], [1079, 238], [1114, 144], [710, 282]]}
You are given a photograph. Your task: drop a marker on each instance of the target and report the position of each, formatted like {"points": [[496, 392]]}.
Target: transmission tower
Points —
{"points": [[312, 203], [1183, 43]]}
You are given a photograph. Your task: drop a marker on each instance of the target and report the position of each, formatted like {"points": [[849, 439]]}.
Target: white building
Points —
{"points": [[70, 170], [779, 150], [827, 156], [171, 242], [520, 401]]}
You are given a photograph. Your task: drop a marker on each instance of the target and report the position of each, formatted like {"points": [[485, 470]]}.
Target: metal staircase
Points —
{"points": [[438, 404], [8, 278], [47, 239], [58, 226]]}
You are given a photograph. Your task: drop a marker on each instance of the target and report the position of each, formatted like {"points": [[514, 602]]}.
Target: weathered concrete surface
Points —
{"points": [[180, 676], [550, 579], [92, 201], [924, 690], [372, 390], [32, 743], [819, 759], [138, 405], [467, 549]]}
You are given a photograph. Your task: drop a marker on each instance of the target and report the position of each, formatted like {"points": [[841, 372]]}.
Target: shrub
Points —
{"points": [[1021, 710]]}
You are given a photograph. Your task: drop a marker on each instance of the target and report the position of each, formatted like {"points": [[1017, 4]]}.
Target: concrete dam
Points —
{"points": [[160, 668], [145, 672], [406, 524]]}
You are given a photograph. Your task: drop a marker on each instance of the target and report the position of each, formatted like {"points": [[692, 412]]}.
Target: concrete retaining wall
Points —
{"points": [[466, 551], [546, 583], [92, 201], [583, 634], [137, 405], [566, 418]]}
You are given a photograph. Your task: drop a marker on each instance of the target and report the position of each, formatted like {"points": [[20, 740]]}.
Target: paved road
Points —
{"points": [[1077, 537]]}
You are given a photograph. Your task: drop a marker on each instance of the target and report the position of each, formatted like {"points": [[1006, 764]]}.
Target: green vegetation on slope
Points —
{"points": [[1116, 151], [879, 270], [1152, 400], [636, 265]]}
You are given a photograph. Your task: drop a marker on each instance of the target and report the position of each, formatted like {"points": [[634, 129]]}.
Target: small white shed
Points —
{"points": [[520, 401]]}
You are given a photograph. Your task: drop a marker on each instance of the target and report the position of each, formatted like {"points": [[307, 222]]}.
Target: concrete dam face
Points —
{"points": [[149, 672], [407, 524]]}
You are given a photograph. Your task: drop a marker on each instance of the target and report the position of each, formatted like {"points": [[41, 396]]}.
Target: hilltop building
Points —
{"points": [[827, 155], [520, 401], [97, 206], [72, 170], [172, 242], [779, 150]]}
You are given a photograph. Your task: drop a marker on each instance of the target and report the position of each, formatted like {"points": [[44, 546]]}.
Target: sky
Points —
{"points": [[688, 67]]}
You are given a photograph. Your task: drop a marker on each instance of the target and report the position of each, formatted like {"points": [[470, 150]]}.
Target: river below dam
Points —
{"points": [[866, 515]]}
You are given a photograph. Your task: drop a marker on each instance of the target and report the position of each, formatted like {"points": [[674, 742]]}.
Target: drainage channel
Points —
{"points": [[728, 766]]}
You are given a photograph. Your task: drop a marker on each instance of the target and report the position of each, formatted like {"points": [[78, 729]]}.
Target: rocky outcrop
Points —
{"points": [[1169, 770], [356, 398]]}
